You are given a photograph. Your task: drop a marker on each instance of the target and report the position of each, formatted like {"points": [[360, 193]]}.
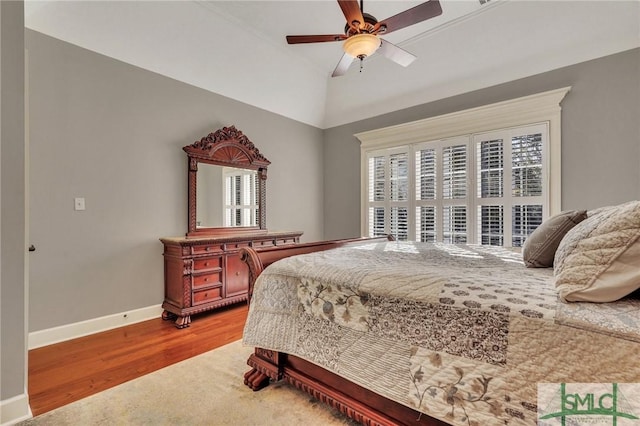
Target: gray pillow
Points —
{"points": [[540, 247]]}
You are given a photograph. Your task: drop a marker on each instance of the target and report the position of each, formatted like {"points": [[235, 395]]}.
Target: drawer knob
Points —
{"points": [[207, 248], [206, 263], [237, 273], [206, 279]]}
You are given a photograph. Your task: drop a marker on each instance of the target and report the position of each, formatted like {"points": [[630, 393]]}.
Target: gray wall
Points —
{"points": [[113, 134], [600, 137], [12, 200]]}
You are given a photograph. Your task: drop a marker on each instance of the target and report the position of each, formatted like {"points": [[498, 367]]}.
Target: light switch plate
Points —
{"points": [[78, 203]]}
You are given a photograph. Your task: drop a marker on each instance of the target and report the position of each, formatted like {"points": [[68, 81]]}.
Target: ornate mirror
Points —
{"points": [[227, 178]]}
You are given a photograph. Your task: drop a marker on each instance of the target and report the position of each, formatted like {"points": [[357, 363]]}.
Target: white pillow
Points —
{"points": [[599, 259]]}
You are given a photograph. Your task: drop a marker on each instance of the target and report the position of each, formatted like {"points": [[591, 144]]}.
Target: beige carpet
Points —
{"points": [[204, 390]]}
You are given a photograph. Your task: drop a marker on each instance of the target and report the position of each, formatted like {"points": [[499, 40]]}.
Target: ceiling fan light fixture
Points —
{"points": [[361, 45]]}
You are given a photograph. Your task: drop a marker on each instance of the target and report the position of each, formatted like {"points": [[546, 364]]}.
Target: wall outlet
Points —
{"points": [[78, 203]]}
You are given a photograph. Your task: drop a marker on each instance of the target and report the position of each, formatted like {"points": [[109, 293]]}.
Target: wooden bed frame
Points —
{"points": [[352, 400]]}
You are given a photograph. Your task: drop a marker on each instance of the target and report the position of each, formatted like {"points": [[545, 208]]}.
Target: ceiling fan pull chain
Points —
{"points": [[361, 62]]}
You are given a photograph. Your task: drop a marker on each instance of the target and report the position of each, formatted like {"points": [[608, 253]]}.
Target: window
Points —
{"points": [[480, 187], [510, 186], [484, 188], [241, 197]]}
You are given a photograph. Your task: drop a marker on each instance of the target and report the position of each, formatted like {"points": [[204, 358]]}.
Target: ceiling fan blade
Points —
{"points": [[296, 39], [416, 14], [351, 11], [343, 65], [396, 54]]}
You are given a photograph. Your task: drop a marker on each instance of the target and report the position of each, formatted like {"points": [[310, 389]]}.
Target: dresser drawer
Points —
{"points": [[208, 295], [207, 263], [202, 280], [207, 248], [234, 246]]}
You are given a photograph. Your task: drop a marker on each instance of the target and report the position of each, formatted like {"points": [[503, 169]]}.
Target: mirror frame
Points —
{"points": [[229, 147]]}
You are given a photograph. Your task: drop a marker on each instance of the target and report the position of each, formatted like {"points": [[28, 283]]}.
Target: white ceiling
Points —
{"points": [[238, 48]]}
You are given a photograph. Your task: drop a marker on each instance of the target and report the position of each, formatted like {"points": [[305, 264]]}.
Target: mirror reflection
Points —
{"points": [[226, 197]]}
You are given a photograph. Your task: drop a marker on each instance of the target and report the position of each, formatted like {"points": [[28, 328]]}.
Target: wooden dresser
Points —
{"points": [[206, 273]]}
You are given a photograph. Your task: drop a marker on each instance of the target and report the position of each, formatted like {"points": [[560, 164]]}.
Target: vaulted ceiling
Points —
{"points": [[238, 48]]}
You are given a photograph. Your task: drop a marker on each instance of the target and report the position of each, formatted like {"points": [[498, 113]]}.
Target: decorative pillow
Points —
{"points": [[599, 210], [540, 247], [599, 259]]}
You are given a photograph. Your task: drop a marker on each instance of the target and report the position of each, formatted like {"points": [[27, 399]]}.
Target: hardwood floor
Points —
{"points": [[65, 372]]}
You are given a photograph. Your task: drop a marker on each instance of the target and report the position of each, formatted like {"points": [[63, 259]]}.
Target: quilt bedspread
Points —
{"points": [[462, 333]]}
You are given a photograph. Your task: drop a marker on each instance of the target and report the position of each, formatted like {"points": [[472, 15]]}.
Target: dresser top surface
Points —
{"points": [[229, 237]]}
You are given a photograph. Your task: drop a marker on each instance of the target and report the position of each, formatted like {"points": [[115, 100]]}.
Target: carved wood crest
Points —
{"points": [[227, 146]]}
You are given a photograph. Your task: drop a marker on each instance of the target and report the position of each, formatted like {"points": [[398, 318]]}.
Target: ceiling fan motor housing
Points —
{"points": [[367, 27]]}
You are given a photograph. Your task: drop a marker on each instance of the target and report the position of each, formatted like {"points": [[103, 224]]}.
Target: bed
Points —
{"points": [[393, 332]]}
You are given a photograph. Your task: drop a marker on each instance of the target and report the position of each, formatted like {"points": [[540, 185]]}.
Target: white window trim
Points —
{"points": [[541, 107]]}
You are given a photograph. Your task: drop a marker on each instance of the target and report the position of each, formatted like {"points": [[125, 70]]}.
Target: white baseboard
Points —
{"points": [[14, 410], [53, 335]]}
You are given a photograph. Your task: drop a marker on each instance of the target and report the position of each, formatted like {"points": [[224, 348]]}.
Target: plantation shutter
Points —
{"points": [[455, 161], [526, 170], [509, 182], [388, 193], [426, 175]]}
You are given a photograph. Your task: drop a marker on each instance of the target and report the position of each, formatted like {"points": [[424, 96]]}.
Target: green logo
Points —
{"points": [[597, 404]]}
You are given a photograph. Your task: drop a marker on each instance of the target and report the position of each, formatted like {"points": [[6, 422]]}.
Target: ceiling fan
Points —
{"points": [[362, 33]]}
